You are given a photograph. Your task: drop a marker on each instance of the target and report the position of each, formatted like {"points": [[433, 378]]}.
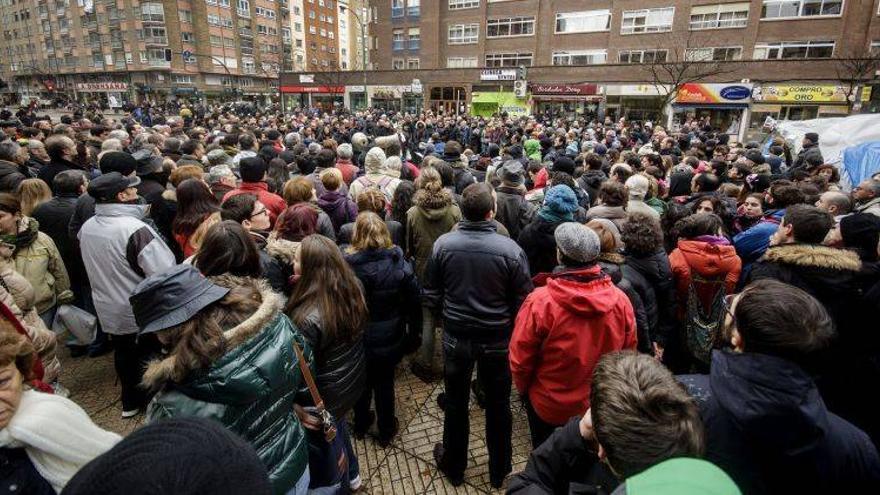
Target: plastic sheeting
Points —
{"points": [[862, 161], [836, 135]]}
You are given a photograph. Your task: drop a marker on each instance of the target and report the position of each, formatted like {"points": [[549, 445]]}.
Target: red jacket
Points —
{"points": [[708, 260], [274, 203], [561, 331]]}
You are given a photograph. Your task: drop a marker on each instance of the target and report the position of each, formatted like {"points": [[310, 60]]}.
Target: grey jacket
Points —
{"points": [[119, 250]]}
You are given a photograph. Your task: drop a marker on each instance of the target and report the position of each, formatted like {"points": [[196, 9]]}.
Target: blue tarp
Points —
{"points": [[862, 161]]}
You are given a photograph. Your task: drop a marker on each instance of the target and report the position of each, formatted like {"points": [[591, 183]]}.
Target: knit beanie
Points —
{"points": [[861, 232], [561, 199], [564, 164], [117, 161], [374, 161], [577, 242], [181, 456]]}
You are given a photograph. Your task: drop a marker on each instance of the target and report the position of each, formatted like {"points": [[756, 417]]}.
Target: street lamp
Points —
{"points": [[342, 8]]}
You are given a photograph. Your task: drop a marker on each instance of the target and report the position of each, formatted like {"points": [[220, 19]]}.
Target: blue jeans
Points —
{"points": [[354, 468], [302, 486]]}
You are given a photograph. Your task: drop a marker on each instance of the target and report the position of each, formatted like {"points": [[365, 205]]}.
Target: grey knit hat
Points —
{"points": [[577, 242]]}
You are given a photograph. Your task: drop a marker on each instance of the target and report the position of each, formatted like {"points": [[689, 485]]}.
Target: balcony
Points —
{"points": [[156, 40], [158, 63], [244, 13]]}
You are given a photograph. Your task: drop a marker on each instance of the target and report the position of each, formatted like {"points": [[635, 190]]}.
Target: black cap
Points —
{"points": [[252, 169], [167, 299], [147, 162], [107, 186], [564, 164], [117, 161], [813, 137], [755, 156]]}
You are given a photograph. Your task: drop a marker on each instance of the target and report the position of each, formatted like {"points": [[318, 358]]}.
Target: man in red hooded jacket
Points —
{"points": [[574, 317]]}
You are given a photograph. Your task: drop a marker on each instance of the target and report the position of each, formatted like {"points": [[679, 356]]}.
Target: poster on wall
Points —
{"points": [[486, 104]]}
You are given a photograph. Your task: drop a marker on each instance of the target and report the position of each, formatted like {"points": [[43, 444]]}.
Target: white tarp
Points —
{"points": [[835, 135]]}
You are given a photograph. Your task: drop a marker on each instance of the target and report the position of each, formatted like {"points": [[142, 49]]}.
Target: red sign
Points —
{"points": [[313, 89], [564, 89]]}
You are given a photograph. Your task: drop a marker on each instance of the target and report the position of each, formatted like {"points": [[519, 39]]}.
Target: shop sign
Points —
{"points": [[564, 89], [485, 104], [713, 93], [307, 78], [800, 94], [498, 75], [355, 89], [102, 87], [633, 90], [312, 89]]}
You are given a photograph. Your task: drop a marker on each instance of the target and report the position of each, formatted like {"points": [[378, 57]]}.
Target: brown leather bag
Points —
{"points": [[323, 413]]}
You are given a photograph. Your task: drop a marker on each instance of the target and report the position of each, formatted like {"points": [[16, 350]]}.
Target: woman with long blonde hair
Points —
{"points": [[392, 296], [33, 193]]}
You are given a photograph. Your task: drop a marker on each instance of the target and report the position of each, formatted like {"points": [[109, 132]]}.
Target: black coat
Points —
{"points": [[512, 210], [161, 211], [615, 269], [18, 474], [768, 428], [564, 464], [55, 167], [392, 295], [395, 230], [539, 244], [591, 181], [54, 217], [660, 308]]}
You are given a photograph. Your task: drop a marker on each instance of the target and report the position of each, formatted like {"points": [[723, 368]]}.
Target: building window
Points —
{"points": [[793, 50], [155, 35], [785, 9], [461, 62], [398, 64], [510, 26], [463, 4], [185, 16], [508, 59], [580, 57], [396, 9], [641, 56], [415, 38], [714, 54], [182, 79], [463, 34], [397, 39], [186, 37], [244, 8], [725, 15], [414, 8], [413, 63], [152, 12], [589, 21], [647, 20]]}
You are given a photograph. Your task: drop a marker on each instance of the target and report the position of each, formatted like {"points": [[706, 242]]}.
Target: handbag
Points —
{"points": [[328, 463], [80, 323]]}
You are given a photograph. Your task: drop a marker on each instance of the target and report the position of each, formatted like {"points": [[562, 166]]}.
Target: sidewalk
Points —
{"points": [[407, 466]]}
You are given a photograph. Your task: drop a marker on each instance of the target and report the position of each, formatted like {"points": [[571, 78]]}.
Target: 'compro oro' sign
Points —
{"points": [[800, 94]]}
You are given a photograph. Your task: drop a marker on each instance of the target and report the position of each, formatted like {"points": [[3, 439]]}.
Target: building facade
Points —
{"points": [[595, 57], [128, 50]]}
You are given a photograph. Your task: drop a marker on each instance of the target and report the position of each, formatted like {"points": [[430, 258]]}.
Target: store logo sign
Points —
{"points": [[735, 92]]}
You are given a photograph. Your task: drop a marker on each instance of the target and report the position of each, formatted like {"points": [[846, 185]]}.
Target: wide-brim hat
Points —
{"points": [[173, 297]]}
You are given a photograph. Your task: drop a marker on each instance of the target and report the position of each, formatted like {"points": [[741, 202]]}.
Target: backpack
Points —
{"points": [[703, 325], [381, 186]]}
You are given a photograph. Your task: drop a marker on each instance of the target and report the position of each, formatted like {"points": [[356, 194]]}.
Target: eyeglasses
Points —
{"points": [[258, 213]]}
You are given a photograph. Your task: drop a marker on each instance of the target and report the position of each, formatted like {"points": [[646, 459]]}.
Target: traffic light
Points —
{"points": [[522, 73]]}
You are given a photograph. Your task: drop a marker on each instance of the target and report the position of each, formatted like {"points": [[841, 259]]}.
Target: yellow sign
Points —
{"points": [[801, 94]]}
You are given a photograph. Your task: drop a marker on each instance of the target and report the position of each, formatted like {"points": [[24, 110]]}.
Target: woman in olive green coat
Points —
{"points": [[230, 358]]}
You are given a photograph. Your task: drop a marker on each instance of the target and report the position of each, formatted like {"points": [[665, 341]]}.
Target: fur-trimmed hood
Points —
{"points": [[281, 249], [807, 255], [271, 305], [432, 200]]}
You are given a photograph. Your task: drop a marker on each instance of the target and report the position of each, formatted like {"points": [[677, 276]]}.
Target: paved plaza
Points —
{"points": [[406, 467]]}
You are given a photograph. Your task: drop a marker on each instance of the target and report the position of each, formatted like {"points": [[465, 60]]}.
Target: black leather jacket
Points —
{"points": [[479, 279]]}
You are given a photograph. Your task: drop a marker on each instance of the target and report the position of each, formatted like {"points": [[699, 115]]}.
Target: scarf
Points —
{"points": [[28, 229], [554, 216], [57, 435], [713, 240]]}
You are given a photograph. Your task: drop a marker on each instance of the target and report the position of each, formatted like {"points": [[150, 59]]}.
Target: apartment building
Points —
{"points": [[589, 57], [136, 50]]}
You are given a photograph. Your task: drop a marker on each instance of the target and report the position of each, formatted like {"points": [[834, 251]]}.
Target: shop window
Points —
{"points": [[647, 20]]}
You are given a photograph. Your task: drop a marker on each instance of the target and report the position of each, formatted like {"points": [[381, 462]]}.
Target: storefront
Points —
{"points": [[112, 94], [406, 98], [566, 100], [322, 97], [633, 101], [723, 106], [356, 97], [800, 102], [448, 99]]}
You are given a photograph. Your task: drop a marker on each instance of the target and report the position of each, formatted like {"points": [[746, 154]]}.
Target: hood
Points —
{"points": [[384, 257], [770, 399], [708, 260], [121, 210], [432, 200], [332, 200], [812, 256], [230, 381], [608, 212], [585, 292], [532, 147], [282, 249], [434, 214], [594, 178]]}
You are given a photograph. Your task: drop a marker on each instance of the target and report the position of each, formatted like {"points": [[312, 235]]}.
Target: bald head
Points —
{"points": [[835, 202]]}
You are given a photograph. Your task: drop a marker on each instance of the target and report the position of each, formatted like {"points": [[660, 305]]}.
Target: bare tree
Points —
{"points": [[689, 59], [854, 68]]}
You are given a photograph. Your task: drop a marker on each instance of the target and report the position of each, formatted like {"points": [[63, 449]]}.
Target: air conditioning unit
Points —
{"points": [[520, 88]]}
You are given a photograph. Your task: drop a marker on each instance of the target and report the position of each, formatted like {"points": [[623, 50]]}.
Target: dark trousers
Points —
{"points": [[380, 383], [493, 373], [539, 429], [130, 360]]}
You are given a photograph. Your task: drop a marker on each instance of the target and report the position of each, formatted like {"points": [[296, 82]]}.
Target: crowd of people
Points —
{"points": [[678, 312]]}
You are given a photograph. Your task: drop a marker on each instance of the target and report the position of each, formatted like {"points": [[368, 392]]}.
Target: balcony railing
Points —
{"points": [[244, 13], [156, 40], [158, 63]]}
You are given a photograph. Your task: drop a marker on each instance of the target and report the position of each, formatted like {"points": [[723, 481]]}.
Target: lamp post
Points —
{"points": [[363, 48]]}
